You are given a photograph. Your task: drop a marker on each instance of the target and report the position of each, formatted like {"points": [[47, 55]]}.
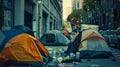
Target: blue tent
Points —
{"points": [[8, 35], [25, 29]]}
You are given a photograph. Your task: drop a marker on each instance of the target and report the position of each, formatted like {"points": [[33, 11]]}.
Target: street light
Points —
{"points": [[39, 17]]}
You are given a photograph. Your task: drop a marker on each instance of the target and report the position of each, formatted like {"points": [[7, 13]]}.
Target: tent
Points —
{"points": [[54, 38], [91, 38], [8, 34], [93, 45], [25, 29], [24, 48], [2, 37]]}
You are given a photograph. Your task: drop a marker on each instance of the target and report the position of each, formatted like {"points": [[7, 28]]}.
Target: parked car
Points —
{"points": [[102, 32], [118, 32], [113, 38], [106, 36]]}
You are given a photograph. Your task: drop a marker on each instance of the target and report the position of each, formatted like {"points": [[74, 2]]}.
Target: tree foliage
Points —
{"points": [[76, 14], [88, 5]]}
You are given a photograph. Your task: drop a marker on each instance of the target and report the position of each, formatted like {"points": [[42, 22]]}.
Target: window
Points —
{"points": [[78, 4], [6, 13], [8, 4], [8, 18], [50, 25]]}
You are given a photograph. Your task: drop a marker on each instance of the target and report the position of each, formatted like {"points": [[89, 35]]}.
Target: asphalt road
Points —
{"points": [[109, 62]]}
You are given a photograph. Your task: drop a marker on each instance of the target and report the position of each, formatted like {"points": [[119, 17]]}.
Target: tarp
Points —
{"points": [[24, 48], [57, 38]]}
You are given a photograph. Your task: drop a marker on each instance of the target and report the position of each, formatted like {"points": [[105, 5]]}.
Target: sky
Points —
{"points": [[67, 8]]}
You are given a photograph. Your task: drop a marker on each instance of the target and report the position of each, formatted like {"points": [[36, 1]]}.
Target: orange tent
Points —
{"points": [[24, 47]]}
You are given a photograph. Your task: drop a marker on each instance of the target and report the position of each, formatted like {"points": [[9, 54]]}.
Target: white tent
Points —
{"points": [[93, 45], [92, 40]]}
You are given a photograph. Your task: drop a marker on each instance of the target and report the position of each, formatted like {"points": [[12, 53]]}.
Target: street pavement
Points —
{"points": [[107, 62], [111, 62]]}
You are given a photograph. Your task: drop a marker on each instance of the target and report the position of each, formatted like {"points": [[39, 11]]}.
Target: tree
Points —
{"points": [[76, 14]]}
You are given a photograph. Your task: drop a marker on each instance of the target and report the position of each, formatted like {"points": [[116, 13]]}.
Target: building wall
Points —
{"points": [[110, 14], [50, 16], [19, 12], [77, 4], [40, 17], [6, 14], [106, 16]]}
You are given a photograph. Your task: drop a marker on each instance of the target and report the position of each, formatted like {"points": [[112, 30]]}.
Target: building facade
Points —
{"points": [[108, 16], [49, 16], [77, 4], [105, 13], [39, 15], [6, 13]]}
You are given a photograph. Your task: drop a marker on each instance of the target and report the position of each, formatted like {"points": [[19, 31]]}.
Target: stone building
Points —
{"points": [[39, 15]]}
